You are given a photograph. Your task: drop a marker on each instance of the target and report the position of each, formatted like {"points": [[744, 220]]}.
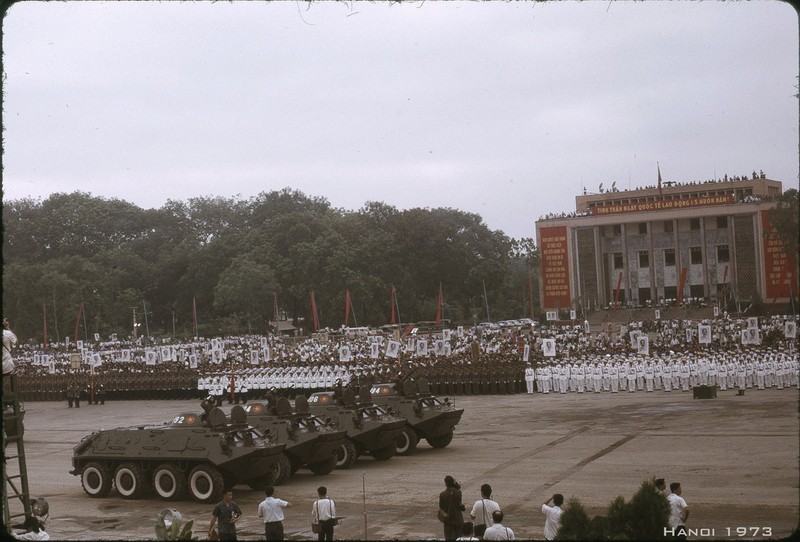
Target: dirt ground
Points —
{"points": [[735, 456]]}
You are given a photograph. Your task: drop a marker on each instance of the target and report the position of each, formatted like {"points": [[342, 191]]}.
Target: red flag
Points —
{"points": [[393, 294], [616, 295], [530, 294], [44, 323], [439, 306], [314, 311], [679, 297], [78, 322], [659, 180], [347, 308], [194, 315]]}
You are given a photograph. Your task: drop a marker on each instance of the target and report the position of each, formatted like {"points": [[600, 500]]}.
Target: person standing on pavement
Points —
{"points": [[323, 511], [553, 522], [271, 510], [679, 511], [450, 503], [226, 513], [482, 510], [498, 531]]}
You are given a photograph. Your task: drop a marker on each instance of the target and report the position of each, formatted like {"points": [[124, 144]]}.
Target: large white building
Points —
{"points": [[705, 240]]}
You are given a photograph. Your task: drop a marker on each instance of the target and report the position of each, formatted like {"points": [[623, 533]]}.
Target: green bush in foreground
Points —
{"points": [[644, 517]]}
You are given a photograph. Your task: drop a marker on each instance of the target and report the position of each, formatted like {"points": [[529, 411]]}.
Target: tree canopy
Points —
{"points": [[230, 256]]}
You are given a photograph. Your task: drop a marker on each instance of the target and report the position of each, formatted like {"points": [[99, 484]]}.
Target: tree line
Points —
{"points": [[232, 257]]}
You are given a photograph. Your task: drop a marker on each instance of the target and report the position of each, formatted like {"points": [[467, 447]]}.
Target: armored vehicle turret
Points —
{"points": [[310, 442], [370, 428], [195, 454], [428, 417]]}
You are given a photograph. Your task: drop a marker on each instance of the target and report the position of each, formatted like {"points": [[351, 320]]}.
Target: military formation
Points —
{"points": [[557, 358], [755, 369]]}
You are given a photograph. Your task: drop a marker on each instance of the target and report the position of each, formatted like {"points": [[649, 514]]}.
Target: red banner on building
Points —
{"points": [[555, 267], [779, 267], [662, 205]]}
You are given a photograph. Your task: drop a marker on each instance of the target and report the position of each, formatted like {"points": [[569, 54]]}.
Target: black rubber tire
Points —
{"points": [[440, 441], [96, 480], [345, 455], [383, 454], [206, 484], [169, 482], [323, 467], [130, 481], [282, 470], [406, 442]]}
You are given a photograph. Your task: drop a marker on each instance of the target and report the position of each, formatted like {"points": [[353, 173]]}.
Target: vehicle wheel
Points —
{"points": [[382, 454], [345, 455], [169, 482], [130, 481], [206, 484], [323, 467], [406, 442], [96, 480], [440, 441], [282, 470]]}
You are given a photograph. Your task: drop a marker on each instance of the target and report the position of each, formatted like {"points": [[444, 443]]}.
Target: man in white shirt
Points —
{"points": [[271, 510], [679, 511], [483, 509], [529, 378], [498, 531], [323, 511], [553, 522]]}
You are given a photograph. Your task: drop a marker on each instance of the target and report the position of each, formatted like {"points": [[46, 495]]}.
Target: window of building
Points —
{"points": [[723, 255], [644, 259], [694, 224], [722, 222], [617, 230], [696, 255], [668, 226], [670, 292], [696, 290], [642, 228], [617, 256], [644, 295], [669, 257]]}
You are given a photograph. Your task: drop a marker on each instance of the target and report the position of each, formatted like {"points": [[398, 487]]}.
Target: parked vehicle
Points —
{"points": [[194, 454]]}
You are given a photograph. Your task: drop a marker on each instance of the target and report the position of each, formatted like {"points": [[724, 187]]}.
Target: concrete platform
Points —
{"points": [[736, 457]]}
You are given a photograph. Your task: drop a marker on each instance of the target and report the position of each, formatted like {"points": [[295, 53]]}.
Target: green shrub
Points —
{"points": [[575, 522], [644, 517]]}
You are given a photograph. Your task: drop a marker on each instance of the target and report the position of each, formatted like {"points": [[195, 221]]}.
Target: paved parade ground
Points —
{"points": [[735, 456]]}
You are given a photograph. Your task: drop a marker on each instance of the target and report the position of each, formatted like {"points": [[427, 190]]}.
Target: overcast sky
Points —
{"points": [[503, 109]]}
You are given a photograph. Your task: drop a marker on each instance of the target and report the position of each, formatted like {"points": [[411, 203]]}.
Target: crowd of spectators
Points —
{"points": [[457, 361]]}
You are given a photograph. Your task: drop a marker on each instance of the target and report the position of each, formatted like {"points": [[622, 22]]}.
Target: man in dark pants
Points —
{"points": [[271, 510], [225, 515], [450, 503], [323, 512]]}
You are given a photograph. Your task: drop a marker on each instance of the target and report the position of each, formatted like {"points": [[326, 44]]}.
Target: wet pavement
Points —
{"points": [[735, 456]]}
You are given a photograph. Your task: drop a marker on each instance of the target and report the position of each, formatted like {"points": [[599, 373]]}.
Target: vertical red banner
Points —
{"points": [[779, 266], [393, 303], [555, 267], [314, 311]]}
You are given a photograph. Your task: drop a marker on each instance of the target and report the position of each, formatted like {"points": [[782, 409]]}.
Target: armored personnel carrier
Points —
{"points": [[310, 442], [370, 428], [195, 454], [427, 416]]}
